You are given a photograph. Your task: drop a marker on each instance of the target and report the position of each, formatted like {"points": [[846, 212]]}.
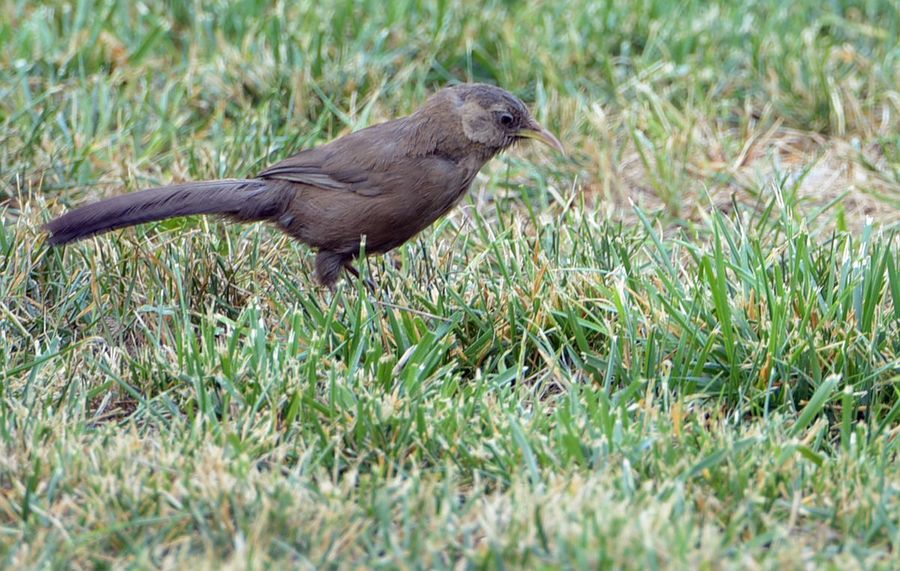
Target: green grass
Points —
{"points": [[678, 347]]}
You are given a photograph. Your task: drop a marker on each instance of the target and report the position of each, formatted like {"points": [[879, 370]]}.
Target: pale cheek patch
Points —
{"points": [[477, 124]]}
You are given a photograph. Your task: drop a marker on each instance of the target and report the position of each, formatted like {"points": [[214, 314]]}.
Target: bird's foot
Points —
{"points": [[370, 284]]}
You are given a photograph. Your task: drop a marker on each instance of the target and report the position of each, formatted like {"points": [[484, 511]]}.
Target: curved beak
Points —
{"points": [[538, 133]]}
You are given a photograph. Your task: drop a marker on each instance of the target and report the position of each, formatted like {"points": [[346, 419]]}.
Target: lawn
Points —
{"points": [[676, 347]]}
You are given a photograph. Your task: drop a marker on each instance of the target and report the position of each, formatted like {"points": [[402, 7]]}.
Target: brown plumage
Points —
{"points": [[387, 182]]}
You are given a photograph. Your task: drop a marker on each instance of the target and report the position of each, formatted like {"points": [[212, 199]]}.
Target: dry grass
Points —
{"points": [[676, 348]]}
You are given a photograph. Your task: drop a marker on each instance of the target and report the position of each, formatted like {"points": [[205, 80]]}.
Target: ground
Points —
{"points": [[677, 347]]}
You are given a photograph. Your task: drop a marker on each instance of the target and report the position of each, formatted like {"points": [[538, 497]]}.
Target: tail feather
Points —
{"points": [[245, 200]]}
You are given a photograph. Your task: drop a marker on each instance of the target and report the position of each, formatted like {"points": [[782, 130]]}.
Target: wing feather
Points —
{"points": [[352, 163]]}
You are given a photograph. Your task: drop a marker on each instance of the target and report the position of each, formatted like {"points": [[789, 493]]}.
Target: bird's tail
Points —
{"points": [[244, 200]]}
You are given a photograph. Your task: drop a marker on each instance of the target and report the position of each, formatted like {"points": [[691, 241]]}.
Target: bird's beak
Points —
{"points": [[538, 133]]}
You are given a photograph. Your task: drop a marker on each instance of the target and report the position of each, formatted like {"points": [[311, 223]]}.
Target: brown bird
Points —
{"points": [[386, 183]]}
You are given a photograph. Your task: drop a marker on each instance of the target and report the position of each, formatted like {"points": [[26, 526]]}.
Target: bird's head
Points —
{"points": [[493, 118]]}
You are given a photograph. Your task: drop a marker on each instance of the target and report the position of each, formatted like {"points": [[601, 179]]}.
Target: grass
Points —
{"points": [[676, 348]]}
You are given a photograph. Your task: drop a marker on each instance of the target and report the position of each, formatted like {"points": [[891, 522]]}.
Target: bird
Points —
{"points": [[382, 184]]}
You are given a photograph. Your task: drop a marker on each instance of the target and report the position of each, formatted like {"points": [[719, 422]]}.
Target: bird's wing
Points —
{"points": [[347, 179], [354, 163]]}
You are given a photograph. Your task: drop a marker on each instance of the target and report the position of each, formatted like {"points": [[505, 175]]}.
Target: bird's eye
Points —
{"points": [[506, 119]]}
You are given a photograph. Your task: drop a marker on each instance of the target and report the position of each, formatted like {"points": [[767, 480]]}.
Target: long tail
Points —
{"points": [[244, 200]]}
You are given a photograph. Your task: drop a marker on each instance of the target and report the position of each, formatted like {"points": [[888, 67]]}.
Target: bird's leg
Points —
{"points": [[348, 265], [328, 267]]}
